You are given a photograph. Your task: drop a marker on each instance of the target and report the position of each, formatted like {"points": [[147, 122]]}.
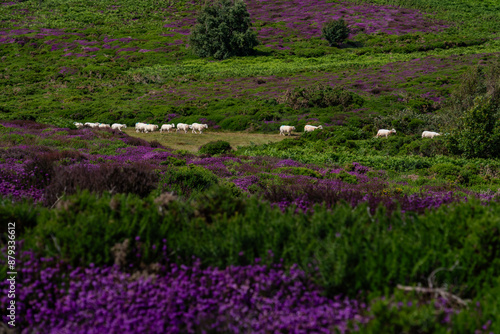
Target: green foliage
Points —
{"points": [[344, 176], [187, 180], [478, 135], [298, 171], [215, 147], [223, 30], [353, 249], [404, 315], [335, 32], [321, 96], [173, 162]]}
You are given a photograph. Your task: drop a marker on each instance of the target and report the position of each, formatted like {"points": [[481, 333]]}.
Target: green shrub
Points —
{"points": [[344, 176], [173, 162], [187, 180], [215, 147], [320, 96], [298, 171], [478, 134], [446, 170], [223, 30], [335, 32]]}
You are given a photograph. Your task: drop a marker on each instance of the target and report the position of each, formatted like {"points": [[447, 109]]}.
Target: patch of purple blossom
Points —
{"points": [[175, 299]]}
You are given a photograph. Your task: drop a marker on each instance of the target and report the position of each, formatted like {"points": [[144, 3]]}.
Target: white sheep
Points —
{"points": [[183, 127], [103, 126], [117, 126], [284, 129], [198, 127], [78, 125], [384, 133], [309, 128], [167, 127], [140, 127], [430, 134], [151, 128], [92, 125]]}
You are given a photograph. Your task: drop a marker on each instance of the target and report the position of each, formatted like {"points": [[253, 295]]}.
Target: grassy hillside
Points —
{"points": [[333, 231], [131, 62]]}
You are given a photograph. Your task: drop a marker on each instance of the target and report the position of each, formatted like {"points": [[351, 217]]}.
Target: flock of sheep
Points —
{"points": [[284, 129], [145, 128], [115, 126], [287, 129]]}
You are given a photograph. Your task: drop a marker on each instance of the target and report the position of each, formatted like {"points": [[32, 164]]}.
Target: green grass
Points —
{"points": [[192, 142]]}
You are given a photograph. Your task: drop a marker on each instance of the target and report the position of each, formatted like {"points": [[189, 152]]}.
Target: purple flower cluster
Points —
{"points": [[178, 299]]}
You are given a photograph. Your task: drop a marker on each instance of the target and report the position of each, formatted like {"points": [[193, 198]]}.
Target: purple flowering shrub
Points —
{"points": [[171, 298]]}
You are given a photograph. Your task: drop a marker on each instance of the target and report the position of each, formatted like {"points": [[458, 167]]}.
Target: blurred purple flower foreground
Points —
{"points": [[55, 298]]}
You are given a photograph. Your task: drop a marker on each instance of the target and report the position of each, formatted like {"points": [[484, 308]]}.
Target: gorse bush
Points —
{"points": [[215, 147], [335, 32], [223, 30]]}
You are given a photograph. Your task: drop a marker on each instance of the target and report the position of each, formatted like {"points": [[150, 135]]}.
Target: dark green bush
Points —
{"points": [[187, 180], [223, 30], [320, 96], [215, 147], [446, 170], [478, 133], [335, 32]]}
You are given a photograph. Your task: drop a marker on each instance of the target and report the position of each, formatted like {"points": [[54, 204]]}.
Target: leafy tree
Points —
{"points": [[478, 134], [223, 30], [335, 32]]}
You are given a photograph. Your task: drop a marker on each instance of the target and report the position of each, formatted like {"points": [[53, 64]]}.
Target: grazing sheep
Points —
{"points": [[167, 127], [91, 125], [430, 134], [198, 127], [140, 127], [284, 129], [309, 128], [151, 128], [184, 127], [117, 126], [78, 125], [384, 133], [103, 126]]}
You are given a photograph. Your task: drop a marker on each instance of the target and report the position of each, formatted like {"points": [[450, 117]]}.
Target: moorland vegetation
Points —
{"points": [[327, 231]]}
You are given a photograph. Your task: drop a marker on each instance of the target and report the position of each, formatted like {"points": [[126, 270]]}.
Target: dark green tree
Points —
{"points": [[335, 32], [223, 30], [478, 134]]}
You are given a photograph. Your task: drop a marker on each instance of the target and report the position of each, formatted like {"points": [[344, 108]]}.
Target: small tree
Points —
{"points": [[478, 134], [223, 30], [335, 32]]}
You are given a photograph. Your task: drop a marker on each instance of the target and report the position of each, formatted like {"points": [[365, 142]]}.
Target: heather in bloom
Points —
{"points": [[176, 299]]}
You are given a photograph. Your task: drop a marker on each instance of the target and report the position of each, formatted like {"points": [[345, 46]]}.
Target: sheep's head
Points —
{"points": [[320, 127], [293, 128], [393, 131]]}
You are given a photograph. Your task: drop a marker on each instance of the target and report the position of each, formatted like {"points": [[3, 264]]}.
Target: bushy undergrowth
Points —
{"points": [[352, 248], [215, 147]]}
